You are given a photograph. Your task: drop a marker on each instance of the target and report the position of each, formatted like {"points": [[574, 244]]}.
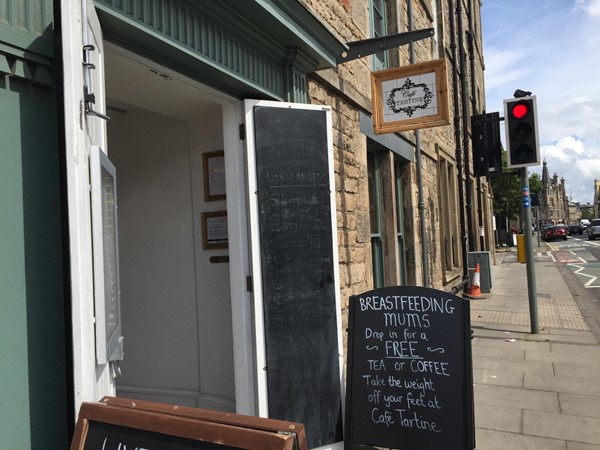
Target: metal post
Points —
{"points": [[458, 152], [422, 221], [537, 223], [530, 263]]}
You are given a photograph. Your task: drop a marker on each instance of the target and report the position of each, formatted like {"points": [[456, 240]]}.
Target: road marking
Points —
{"points": [[545, 256], [578, 257], [579, 271], [587, 242]]}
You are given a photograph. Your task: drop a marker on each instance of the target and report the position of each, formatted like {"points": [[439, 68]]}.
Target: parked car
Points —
{"points": [[555, 232], [575, 228], [593, 230]]}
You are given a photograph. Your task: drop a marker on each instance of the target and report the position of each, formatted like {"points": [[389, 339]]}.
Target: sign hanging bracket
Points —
{"points": [[366, 47]]}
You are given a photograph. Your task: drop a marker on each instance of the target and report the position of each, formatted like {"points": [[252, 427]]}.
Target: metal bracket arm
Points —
{"points": [[366, 47]]}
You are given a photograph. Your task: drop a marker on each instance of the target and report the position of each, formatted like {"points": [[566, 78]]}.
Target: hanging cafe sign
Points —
{"points": [[412, 97]]}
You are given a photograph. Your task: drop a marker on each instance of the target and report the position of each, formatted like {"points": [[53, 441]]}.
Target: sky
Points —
{"points": [[551, 48]]}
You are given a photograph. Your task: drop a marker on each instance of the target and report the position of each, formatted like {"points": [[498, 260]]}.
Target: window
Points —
{"points": [[378, 29], [448, 216], [400, 224], [375, 210], [387, 222]]}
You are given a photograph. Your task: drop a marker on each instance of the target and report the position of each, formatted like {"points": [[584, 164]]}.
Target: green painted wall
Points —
{"points": [[14, 393], [33, 391], [34, 388]]}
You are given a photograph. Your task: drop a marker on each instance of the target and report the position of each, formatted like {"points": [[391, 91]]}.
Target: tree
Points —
{"points": [[587, 214], [506, 189], [535, 183]]}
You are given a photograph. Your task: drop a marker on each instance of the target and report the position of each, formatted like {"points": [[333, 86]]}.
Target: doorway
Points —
{"points": [[176, 295]]}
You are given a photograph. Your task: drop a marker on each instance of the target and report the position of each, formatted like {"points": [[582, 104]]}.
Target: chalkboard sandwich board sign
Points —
{"points": [[409, 381], [123, 424]]}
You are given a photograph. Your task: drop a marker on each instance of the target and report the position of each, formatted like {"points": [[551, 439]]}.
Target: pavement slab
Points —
{"points": [[513, 343], [500, 353], [564, 358], [500, 440], [585, 351], [562, 426], [579, 405], [482, 362], [577, 371], [566, 384], [499, 377], [581, 446], [516, 398], [499, 418]]}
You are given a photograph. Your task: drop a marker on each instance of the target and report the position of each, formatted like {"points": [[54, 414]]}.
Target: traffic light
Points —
{"points": [[522, 143], [487, 149]]}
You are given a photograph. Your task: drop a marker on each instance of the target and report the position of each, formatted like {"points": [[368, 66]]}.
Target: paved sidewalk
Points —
{"points": [[533, 391]]}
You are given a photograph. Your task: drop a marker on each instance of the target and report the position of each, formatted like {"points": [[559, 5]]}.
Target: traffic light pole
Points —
{"points": [[530, 263]]}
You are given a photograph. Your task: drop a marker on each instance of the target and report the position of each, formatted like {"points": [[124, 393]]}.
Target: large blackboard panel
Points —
{"points": [[292, 169], [409, 383]]}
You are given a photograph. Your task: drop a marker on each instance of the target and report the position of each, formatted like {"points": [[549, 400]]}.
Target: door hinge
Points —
{"points": [[249, 283], [242, 132]]}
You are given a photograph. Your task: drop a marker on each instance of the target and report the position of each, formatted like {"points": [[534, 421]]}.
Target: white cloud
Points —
{"points": [[590, 7], [588, 168], [502, 67], [566, 149], [570, 158]]}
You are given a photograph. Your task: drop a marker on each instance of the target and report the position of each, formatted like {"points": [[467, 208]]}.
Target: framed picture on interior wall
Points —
{"points": [[214, 230], [214, 175]]}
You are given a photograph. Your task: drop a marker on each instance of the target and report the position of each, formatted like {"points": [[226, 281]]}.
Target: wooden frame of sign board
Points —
{"points": [[141, 421], [422, 100]]}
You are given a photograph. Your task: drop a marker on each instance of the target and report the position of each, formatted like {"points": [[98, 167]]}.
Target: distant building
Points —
{"points": [[587, 210], [574, 212], [596, 197], [554, 205]]}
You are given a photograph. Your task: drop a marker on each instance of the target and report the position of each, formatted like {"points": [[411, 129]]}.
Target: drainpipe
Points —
{"points": [[471, 43], [422, 223], [465, 122], [458, 157]]}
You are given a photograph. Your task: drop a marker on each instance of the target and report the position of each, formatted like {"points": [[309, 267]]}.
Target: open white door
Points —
{"points": [[85, 126], [293, 239]]}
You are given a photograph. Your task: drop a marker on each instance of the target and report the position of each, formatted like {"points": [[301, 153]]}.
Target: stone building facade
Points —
{"points": [[554, 203], [347, 88], [574, 212], [596, 198]]}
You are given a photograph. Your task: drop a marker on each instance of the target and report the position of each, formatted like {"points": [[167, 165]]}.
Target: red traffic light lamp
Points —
{"points": [[522, 143], [519, 110]]}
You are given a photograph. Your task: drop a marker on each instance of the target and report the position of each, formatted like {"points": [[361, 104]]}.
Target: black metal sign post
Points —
{"points": [[366, 47]]}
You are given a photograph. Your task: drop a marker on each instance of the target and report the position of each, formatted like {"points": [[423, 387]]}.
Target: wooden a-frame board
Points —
{"points": [[125, 423]]}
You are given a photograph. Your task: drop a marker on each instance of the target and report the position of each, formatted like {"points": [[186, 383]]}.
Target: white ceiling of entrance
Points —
{"points": [[131, 79]]}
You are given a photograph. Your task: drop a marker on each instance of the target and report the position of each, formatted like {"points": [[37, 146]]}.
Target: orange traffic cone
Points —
{"points": [[475, 290]]}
